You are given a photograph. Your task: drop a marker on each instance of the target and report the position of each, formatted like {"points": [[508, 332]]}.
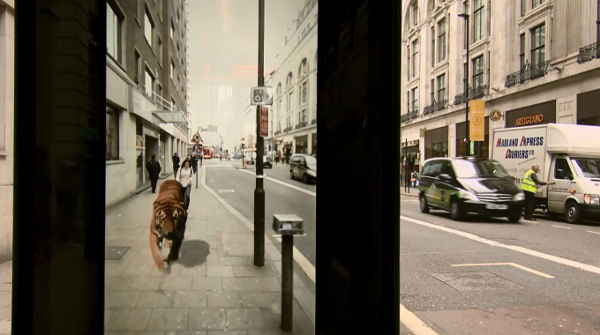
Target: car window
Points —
{"points": [[432, 169], [447, 169]]}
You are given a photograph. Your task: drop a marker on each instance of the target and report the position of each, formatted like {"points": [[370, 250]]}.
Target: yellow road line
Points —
{"points": [[519, 266], [412, 322]]}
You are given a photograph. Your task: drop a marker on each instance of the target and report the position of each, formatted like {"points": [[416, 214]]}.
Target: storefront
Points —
{"points": [[301, 144], [531, 115], [588, 108], [436, 142], [409, 156], [313, 150], [477, 148]]}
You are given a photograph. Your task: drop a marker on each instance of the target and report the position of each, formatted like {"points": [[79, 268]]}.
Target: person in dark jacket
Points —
{"points": [[175, 164], [153, 168]]}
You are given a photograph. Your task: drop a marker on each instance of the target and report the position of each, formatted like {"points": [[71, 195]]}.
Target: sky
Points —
{"points": [[223, 58]]}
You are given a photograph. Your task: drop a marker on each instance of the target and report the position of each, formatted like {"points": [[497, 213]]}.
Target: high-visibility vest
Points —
{"points": [[528, 184]]}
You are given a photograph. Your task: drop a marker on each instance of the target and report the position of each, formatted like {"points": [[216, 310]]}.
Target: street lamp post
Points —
{"points": [[465, 16], [259, 192]]}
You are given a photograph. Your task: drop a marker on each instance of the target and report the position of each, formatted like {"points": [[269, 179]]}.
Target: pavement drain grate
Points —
{"points": [[475, 281], [115, 253]]}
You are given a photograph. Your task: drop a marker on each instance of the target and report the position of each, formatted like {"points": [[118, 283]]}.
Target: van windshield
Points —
{"points": [[588, 167], [479, 169]]}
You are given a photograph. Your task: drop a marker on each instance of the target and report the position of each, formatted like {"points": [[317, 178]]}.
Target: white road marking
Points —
{"points": [[314, 194], [593, 232], [561, 227], [412, 322], [519, 266], [552, 258], [226, 190], [302, 261]]}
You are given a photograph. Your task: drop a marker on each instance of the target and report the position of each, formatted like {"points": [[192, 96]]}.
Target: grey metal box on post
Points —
{"points": [[288, 224]]}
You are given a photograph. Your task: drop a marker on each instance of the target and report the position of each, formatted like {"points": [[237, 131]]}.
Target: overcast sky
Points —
{"points": [[223, 58]]}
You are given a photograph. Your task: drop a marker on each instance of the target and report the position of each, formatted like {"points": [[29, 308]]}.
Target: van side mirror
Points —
{"points": [[445, 177]]}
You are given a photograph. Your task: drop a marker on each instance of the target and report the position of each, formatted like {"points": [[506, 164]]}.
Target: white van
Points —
{"points": [[568, 155]]}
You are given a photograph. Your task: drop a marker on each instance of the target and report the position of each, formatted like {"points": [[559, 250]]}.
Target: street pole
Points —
{"points": [[259, 192], [465, 16]]}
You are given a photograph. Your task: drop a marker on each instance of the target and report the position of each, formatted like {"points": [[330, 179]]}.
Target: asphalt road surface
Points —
{"points": [[489, 276]]}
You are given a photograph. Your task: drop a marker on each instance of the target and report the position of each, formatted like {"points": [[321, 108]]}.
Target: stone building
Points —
{"points": [[146, 96], [7, 49], [293, 116], [530, 61]]}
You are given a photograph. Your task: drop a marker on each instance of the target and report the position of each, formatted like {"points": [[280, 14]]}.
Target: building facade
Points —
{"points": [[7, 48], [293, 116], [530, 61], [146, 96]]}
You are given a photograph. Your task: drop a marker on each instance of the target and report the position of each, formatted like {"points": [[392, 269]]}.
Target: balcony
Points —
{"points": [[527, 73], [589, 52], [435, 106], [409, 116], [277, 132], [474, 93]]}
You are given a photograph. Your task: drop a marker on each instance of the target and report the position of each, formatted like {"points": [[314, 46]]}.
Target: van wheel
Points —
{"points": [[572, 213], [423, 206], [455, 210]]}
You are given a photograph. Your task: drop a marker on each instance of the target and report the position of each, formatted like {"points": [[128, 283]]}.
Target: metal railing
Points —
{"points": [[435, 106], [474, 93], [409, 116], [527, 73], [589, 52]]}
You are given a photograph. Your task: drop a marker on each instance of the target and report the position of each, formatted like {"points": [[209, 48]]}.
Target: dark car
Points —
{"points": [[304, 167], [267, 163], [465, 185]]}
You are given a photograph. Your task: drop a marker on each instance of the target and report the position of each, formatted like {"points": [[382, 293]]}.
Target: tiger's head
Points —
{"points": [[167, 219]]}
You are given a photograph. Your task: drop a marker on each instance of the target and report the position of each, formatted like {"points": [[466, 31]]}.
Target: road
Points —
{"points": [[489, 276], [282, 196]]}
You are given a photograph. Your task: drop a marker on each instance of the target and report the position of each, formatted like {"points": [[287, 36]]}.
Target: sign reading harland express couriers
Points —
{"points": [[264, 121], [477, 124]]}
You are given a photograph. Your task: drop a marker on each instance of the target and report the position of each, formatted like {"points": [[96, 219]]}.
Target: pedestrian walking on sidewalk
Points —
{"points": [[529, 185], [153, 168], [194, 162], [185, 175], [414, 179], [175, 164]]}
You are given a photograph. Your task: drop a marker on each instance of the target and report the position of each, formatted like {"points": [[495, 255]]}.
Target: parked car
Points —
{"points": [[267, 162], [304, 167], [469, 185]]}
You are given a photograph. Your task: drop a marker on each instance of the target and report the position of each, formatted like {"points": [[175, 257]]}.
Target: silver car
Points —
{"points": [[304, 167]]}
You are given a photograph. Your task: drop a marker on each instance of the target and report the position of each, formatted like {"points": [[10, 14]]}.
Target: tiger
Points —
{"points": [[168, 222]]}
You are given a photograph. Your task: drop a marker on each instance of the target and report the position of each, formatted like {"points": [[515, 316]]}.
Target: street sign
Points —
{"points": [[261, 95], [196, 138], [264, 121]]}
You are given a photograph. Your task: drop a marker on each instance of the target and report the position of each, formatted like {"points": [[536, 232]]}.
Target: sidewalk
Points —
{"points": [[214, 288]]}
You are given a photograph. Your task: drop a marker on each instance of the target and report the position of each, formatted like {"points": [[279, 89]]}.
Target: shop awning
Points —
{"points": [[170, 117]]}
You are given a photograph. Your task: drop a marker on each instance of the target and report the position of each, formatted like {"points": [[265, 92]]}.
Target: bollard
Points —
{"points": [[287, 225]]}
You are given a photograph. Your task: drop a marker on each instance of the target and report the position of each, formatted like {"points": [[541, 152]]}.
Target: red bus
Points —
{"points": [[208, 152]]}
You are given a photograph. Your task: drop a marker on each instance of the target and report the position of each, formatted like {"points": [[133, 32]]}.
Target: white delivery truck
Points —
{"points": [[568, 155]]}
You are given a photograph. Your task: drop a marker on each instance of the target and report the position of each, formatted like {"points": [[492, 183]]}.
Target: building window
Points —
{"points": [[521, 51], [302, 118], [415, 13], [415, 59], [478, 20], [538, 44], [172, 69], [114, 24], [148, 82], [414, 94], [289, 102], [478, 72], [432, 46], [138, 67], [148, 27], [535, 3], [303, 78], [160, 51], [432, 94], [441, 87], [523, 7], [442, 40], [112, 133], [408, 73]]}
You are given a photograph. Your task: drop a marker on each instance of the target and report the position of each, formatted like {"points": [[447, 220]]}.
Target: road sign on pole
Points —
{"points": [[264, 121]]}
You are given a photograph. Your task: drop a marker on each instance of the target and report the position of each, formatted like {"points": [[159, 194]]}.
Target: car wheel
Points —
{"points": [[423, 206], [572, 213], [305, 178], [455, 210], [514, 217]]}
